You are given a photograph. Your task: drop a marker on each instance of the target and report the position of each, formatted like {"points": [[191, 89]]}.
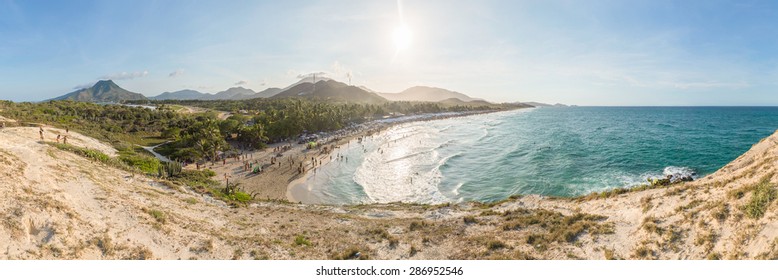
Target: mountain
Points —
{"points": [[429, 94], [236, 93], [267, 93], [102, 91], [186, 94], [331, 90], [233, 93], [309, 80], [457, 101]]}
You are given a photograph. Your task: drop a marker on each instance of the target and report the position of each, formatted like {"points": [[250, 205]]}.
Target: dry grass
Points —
{"points": [[553, 227], [763, 194], [351, 253], [140, 253], [158, 216], [645, 203]]}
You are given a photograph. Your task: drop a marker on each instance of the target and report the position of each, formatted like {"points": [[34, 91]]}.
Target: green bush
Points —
{"points": [[240, 197], [196, 178], [301, 240], [84, 152], [148, 165]]}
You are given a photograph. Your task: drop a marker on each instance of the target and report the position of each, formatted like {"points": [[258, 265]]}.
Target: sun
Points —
{"points": [[402, 38]]}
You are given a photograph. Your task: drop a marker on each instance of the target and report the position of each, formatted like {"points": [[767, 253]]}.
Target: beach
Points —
{"points": [[283, 182]]}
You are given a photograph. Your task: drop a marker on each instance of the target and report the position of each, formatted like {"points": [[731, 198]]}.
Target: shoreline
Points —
{"points": [[280, 174], [297, 191]]}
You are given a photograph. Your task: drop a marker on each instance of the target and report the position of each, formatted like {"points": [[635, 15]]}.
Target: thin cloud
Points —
{"points": [[176, 73], [710, 84], [83, 86], [125, 75], [241, 82], [302, 76], [338, 69]]}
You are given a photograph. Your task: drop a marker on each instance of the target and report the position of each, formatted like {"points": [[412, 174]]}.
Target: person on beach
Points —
{"points": [[65, 139], [67, 130], [58, 136]]}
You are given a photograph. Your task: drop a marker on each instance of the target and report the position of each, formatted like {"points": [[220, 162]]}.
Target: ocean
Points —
{"points": [[560, 151]]}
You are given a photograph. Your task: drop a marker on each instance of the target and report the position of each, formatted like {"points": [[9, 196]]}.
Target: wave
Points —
{"points": [[455, 191], [482, 137], [674, 173], [444, 162], [677, 173], [448, 142]]}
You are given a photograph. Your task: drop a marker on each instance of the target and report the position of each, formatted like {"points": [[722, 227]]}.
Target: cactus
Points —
{"points": [[172, 168]]}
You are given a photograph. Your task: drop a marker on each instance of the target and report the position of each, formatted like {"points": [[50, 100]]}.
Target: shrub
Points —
{"points": [[146, 164], [159, 216], [713, 256], [172, 168], [352, 253], [495, 245], [764, 194], [609, 254], [301, 240], [84, 152], [416, 225], [240, 197]]}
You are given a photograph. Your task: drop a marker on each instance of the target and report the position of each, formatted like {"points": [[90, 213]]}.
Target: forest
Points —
{"points": [[201, 136]]}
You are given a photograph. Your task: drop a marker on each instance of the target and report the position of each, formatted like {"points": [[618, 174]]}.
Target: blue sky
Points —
{"points": [[574, 52]]}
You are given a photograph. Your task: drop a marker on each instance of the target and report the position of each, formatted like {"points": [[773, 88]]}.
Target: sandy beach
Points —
{"points": [[283, 181]]}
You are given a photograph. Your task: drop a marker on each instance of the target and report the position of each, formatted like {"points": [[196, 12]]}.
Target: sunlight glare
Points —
{"points": [[402, 38]]}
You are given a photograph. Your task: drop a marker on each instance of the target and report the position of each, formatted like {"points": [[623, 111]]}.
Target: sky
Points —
{"points": [[633, 53]]}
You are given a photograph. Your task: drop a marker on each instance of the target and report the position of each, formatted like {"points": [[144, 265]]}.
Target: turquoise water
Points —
{"points": [[548, 151]]}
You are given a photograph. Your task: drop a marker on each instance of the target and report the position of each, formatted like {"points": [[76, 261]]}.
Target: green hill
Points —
{"points": [[102, 91], [331, 90]]}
